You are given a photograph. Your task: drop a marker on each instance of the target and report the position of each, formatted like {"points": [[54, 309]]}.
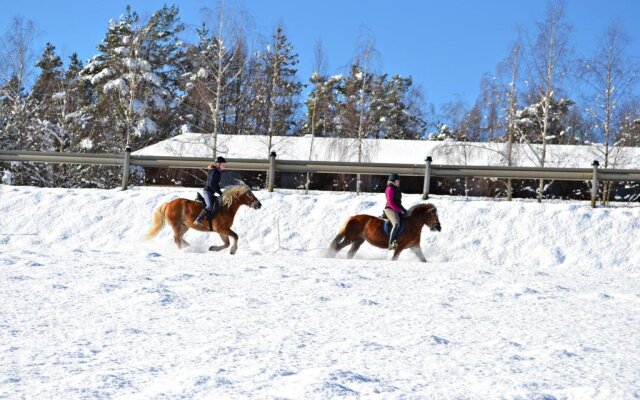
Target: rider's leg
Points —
{"points": [[394, 218], [208, 203]]}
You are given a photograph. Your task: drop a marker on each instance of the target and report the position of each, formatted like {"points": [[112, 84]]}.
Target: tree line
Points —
{"points": [[146, 84]]}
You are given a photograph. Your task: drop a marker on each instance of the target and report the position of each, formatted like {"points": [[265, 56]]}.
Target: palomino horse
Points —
{"points": [[180, 214], [363, 227]]}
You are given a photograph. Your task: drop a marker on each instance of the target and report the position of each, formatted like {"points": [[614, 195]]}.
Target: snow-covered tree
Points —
{"points": [[136, 75], [629, 131], [275, 89]]}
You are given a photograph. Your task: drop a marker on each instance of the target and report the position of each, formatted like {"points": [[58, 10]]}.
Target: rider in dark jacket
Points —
{"points": [[212, 188]]}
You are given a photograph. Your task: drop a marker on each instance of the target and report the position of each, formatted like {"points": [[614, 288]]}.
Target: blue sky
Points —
{"points": [[445, 45]]}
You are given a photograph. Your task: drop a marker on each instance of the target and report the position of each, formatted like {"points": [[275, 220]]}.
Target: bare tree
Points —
{"points": [[319, 70], [512, 65], [221, 59], [366, 52], [17, 59], [17, 56], [549, 66], [609, 77]]}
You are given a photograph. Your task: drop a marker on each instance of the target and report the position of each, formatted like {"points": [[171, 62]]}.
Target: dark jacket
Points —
{"points": [[213, 181]]}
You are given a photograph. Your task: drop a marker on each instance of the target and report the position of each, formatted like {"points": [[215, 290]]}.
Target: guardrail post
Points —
{"points": [[272, 171], [594, 184], [427, 178], [125, 171]]}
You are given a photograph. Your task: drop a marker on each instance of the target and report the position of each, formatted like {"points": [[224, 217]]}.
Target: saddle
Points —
{"points": [[214, 209], [388, 226]]}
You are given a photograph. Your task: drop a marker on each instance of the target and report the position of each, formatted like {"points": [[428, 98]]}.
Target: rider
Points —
{"points": [[212, 188], [394, 209]]}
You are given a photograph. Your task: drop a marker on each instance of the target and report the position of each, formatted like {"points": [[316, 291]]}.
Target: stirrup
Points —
{"points": [[393, 245], [197, 221]]}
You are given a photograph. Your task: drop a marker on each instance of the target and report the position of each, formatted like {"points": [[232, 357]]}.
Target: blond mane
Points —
{"points": [[232, 193]]}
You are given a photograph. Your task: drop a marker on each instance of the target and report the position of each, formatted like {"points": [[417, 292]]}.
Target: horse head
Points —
{"points": [[243, 195], [251, 200], [428, 214]]}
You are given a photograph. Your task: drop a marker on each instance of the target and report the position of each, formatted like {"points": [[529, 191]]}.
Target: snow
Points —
{"points": [[145, 126], [101, 75], [138, 107], [152, 78], [519, 300], [388, 150], [86, 144], [119, 85]]}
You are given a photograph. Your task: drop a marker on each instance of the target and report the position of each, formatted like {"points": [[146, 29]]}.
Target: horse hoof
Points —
{"points": [[213, 248], [232, 251]]}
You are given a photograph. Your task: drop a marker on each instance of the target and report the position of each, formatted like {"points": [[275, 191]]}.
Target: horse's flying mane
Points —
{"points": [[233, 192]]}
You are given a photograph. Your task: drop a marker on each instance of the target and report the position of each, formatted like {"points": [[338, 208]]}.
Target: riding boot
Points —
{"points": [[214, 207], [393, 243], [202, 214]]}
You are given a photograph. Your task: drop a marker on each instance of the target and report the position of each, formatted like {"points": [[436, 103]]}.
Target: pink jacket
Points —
{"points": [[390, 202]]}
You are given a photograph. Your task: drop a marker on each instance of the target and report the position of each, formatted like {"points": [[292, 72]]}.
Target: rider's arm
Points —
{"points": [[215, 181]]}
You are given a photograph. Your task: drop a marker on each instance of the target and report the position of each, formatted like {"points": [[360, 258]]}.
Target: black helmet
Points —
{"points": [[394, 177], [220, 159]]}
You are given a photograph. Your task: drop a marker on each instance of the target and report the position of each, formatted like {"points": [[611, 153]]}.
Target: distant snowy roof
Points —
{"points": [[389, 151]]}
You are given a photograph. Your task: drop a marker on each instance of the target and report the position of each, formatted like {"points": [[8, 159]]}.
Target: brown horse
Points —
{"points": [[363, 227], [180, 214]]}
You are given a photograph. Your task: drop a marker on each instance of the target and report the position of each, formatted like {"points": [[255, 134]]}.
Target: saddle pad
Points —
{"points": [[387, 228]]}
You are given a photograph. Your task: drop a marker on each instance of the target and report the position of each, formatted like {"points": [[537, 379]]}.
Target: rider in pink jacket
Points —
{"points": [[394, 209]]}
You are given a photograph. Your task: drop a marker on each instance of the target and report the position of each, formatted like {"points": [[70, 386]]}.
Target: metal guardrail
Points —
{"points": [[272, 165]]}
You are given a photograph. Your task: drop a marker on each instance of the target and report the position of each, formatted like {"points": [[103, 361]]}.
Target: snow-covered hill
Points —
{"points": [[518, 300]]}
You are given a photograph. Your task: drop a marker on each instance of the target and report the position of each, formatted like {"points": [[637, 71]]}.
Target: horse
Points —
{"points": [[180, 214], [361, 227]]}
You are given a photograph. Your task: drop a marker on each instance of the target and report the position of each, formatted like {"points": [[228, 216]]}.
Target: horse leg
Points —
{"points": [[418, 252], [354, 248], [226, 243], [179, 230], [338, 243], [396, 253], [234, 246], [225, 238]]}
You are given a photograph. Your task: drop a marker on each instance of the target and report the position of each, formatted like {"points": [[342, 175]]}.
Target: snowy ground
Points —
{"points": [[518, 301]]}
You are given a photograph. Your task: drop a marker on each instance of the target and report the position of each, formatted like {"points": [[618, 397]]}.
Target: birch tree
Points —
{"points": [[17, 59], [610, 77], [220, 63], [316, 102], [512, 64], [549, 62]]}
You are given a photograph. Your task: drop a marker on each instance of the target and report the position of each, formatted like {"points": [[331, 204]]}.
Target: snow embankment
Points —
{"points": [[473, 231]]}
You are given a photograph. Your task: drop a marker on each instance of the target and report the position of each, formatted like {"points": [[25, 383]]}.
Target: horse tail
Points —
{"points": [[336, 244], [157, 222]]}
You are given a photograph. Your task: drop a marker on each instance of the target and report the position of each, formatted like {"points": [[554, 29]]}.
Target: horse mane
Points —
{"points": [[419, 206], [232, 193]]}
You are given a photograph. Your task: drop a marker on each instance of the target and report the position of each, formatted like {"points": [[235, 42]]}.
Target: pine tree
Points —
{"points": [[531, 119], [401, 116], [322, 105], [137, 78], [276, 89]]}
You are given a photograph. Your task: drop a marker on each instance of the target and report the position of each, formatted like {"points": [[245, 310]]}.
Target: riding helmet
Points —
{"points": [[220, 159], [394, 177]]}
